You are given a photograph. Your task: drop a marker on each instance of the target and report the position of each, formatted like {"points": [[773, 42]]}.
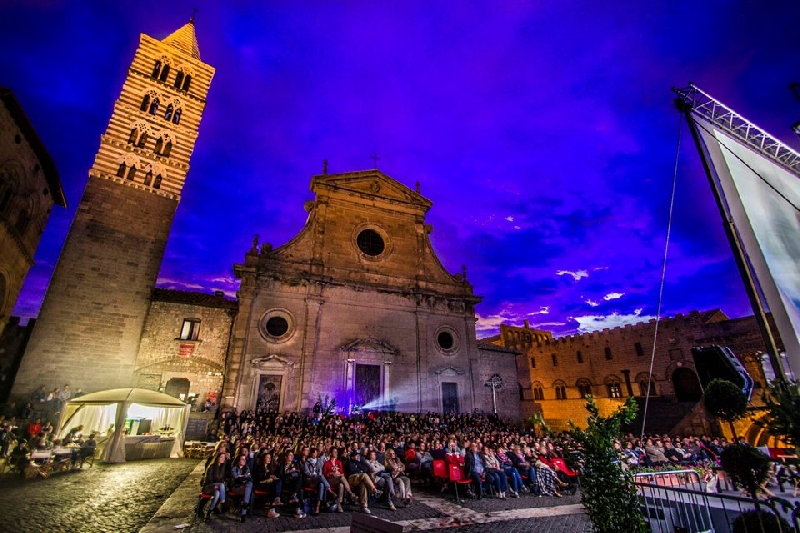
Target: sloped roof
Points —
{"points": [[132, 395], [192, 298], [25, 126], [184, 39], [488, 346]]}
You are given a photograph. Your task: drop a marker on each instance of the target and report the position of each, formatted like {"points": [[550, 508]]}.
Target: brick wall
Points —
{"points": [[163, 355]]}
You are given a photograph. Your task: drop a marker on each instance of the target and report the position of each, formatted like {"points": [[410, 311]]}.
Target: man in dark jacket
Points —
{"points": [[473, 467], [360, 481]]}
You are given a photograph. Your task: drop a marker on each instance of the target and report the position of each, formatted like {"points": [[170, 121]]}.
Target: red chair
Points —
{"points": [[201, 504], [561, 464], [440, 474], [440, 470], [458, 477]]}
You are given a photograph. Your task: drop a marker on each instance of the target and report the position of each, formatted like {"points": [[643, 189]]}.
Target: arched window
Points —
{"points": [[643, 382], [148, 177], [154, 106], [157, 183], [612, 385], [142, 140], [164, 73], [121, 170], [176, 119], [131, 173], [561, 390], [159, 145], [145, 103], [538, 391], [584, 387], [134, 135], [167, 149], [168, 112], [186, 82], [156, 69], [178, 79]]}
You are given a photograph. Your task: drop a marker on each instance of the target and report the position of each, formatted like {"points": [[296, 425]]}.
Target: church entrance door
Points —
{"points": [[367, 390], [269, 392], [450, 398]]}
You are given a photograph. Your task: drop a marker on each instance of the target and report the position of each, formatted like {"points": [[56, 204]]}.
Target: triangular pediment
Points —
{"points": [[369, 345], [368, 183]]}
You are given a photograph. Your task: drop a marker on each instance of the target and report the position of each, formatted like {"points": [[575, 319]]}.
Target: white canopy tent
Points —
{"points": [[104, 413]]}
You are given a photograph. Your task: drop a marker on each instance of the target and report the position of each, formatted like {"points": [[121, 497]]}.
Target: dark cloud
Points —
{"points": [[545, 135]]}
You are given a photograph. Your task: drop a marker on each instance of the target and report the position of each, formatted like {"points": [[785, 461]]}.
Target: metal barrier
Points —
{"points": [[676, 502]]}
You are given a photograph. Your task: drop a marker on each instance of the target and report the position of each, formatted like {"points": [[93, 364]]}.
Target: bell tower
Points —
{"points": [[88, 330]]}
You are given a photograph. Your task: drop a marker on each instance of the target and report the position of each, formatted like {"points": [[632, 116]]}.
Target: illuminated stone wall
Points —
{"points": [[170, 351], [90, 324], [342, 299], [612, 356]]}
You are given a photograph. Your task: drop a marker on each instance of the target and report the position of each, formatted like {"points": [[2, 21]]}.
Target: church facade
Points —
{"points": [[356, 307]]}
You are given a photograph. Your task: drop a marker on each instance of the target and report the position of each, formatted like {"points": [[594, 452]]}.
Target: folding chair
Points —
{"points": [[458, 477]]}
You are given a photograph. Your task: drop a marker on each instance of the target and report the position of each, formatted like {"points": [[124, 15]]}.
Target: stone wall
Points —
{"points": [[394, 308], [26, 199], [164, 355], [621, 356]]}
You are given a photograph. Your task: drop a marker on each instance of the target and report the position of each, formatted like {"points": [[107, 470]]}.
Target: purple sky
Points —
{"points": [[544, 135]]}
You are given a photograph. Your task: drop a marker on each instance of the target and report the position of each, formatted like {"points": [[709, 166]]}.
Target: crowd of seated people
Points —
{"points": [[664, 451], [373, 457]]}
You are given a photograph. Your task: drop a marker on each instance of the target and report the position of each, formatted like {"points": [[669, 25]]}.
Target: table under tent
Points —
{"points": [[129, 423]]}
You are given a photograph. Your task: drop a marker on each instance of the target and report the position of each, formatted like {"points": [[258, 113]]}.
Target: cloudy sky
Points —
{"points": [[544, 133]]}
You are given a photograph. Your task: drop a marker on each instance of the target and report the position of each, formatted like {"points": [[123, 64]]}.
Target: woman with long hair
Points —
{"points": [[215, 477]]}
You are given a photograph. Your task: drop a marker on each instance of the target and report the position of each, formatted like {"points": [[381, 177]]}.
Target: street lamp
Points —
{"points": [[496, 383]]}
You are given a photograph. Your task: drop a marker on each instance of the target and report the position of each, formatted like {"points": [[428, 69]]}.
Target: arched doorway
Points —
{"points": [[687, 386], [177, 387]]}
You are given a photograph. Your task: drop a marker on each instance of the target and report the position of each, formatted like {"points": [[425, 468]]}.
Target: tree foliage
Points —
{"points": [[725, 401], [783, 412], [746, 466], [607, 491]]}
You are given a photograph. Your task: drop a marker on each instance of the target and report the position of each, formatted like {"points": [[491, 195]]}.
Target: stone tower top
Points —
{"points": [[184, 39], [154, 127]]}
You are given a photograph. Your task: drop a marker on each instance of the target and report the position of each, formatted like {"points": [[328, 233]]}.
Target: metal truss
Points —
{"points": [[723, 117]]}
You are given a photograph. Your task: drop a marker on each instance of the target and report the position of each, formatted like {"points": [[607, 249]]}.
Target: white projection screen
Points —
{"points": [[768, 223]]}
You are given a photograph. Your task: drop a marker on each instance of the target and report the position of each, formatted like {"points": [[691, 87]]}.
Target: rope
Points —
{"points": [[663, 275]]}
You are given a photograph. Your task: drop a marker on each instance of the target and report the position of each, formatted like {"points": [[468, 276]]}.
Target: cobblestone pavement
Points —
{"points": [[104, 498], [429, 511]]}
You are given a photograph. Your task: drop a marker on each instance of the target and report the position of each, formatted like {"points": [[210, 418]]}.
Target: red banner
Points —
{"points": [[185, 350]]}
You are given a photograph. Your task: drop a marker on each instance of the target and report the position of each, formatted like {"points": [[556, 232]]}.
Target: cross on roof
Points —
{"points": [[375, 160]]}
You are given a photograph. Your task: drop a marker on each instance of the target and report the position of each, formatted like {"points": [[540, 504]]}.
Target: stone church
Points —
{"points": [[356, 307]]}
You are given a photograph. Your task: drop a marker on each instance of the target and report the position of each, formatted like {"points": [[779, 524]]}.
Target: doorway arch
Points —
{"points": [[177, 387], [687, 386]]}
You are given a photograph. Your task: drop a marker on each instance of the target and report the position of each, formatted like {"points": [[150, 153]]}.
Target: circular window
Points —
{"points": [[276, 325], [446, 340], [370, 242]]}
